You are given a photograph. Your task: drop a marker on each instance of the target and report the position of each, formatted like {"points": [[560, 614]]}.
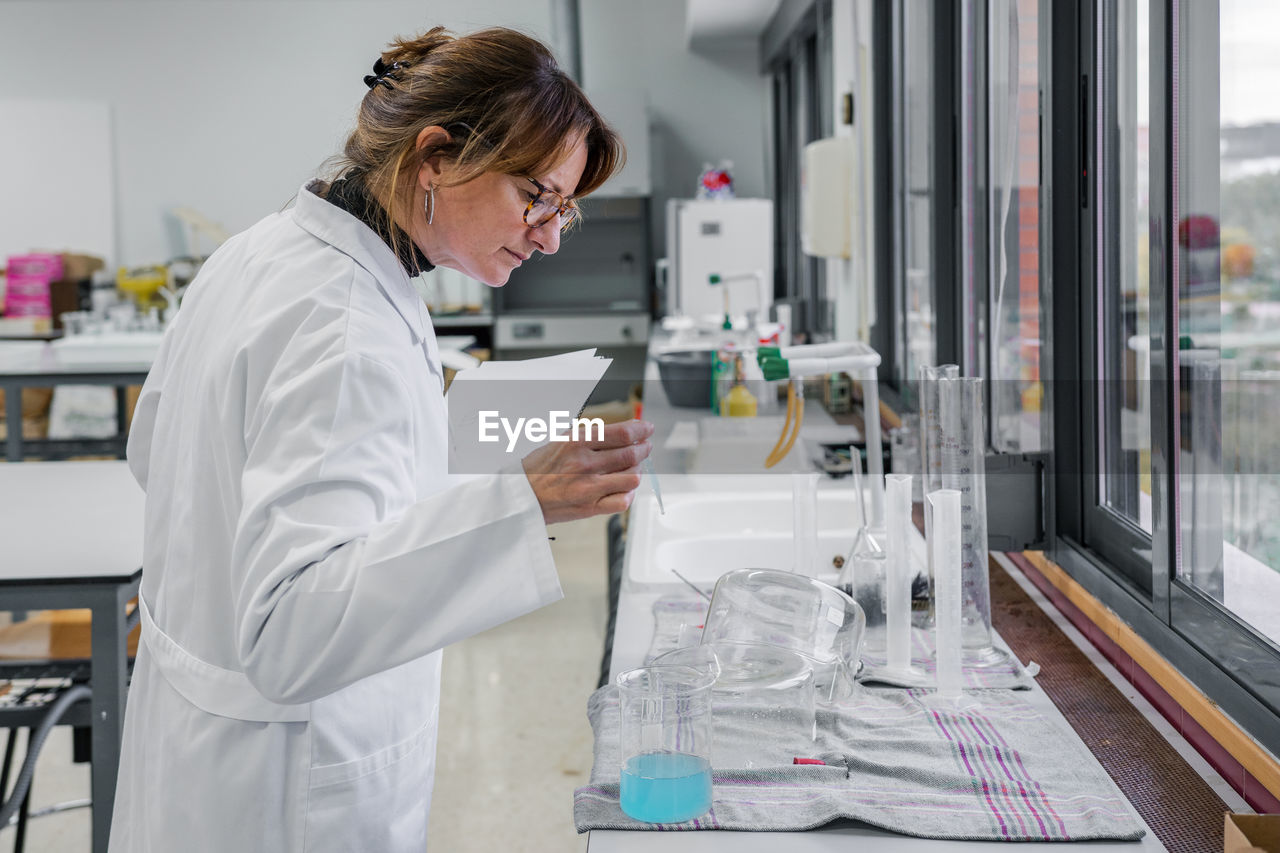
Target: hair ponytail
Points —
{"points": [[506, 104]]}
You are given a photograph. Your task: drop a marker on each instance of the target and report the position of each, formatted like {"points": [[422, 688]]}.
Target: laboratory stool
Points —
{"points": [[37, 697]]}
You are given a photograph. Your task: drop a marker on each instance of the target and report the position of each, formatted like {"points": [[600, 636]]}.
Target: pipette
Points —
{"points": [[647, 464], [691, 585]]}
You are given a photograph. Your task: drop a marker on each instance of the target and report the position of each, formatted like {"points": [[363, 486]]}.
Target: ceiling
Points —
{"points": [[722, 22]]}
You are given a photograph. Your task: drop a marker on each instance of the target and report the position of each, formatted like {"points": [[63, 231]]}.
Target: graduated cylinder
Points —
{"points": [[963, 456]]}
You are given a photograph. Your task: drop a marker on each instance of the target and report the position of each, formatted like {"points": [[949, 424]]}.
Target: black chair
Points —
{"points": [[39, 697]]}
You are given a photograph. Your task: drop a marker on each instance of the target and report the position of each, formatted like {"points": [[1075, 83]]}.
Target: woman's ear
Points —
{"points": [[430, 139]]}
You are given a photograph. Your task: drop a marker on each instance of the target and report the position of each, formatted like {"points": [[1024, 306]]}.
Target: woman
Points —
{"points": [[306, 555]]}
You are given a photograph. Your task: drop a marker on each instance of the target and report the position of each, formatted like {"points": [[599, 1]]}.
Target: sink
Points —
{"points": [[703, 559], [714, 524], [752, 513]]}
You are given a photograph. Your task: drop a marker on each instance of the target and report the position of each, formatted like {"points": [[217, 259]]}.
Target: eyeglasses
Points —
{"points": [[546, 204]]}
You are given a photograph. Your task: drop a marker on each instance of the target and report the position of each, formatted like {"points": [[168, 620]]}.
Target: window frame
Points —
{"points": [[1210, 646]]}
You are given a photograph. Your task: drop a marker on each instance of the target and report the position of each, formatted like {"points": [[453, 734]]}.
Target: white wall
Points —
{"points": [[703, 106], [225, 106]]}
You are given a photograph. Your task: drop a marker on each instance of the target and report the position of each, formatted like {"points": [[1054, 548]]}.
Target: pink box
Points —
{"points": [[27, 285], [36, 265], [27, 296]]}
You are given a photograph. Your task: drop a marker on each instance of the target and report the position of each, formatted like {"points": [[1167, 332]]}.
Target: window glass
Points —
{"points": [[1227, 275], [1013, 170], [1122, 190], [916, 190]]}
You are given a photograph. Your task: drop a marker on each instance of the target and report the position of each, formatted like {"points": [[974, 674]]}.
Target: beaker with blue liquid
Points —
{"points": [[666, 737]]}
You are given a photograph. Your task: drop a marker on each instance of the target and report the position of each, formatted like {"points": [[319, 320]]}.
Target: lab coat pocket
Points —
{"points": [[376, 802]]}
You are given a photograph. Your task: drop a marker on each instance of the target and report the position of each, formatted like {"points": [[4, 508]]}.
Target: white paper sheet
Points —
{"points": [[510, 395]]}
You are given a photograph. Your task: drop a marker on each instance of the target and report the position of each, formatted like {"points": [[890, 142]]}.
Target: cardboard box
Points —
{"points": [[79, 267], [47, 284], [54, 635], [65, 296], [1251, 833]]}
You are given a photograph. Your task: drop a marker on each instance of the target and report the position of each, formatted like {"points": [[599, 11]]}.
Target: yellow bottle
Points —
{"points": [[739, 402]]}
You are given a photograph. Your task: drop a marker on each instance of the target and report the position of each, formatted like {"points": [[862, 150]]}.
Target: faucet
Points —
{"points": [[795, 362], [762, 299]]}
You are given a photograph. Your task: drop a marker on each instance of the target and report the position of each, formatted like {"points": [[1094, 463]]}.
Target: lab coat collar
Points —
{"points": [[355, 239]]}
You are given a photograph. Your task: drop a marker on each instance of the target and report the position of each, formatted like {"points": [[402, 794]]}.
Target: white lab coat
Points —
{"points": [[307, 555]]}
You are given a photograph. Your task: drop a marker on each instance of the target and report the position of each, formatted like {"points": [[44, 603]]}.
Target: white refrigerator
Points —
{"points": [[730, 238]]}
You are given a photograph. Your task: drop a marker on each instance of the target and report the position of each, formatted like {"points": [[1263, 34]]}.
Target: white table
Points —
{"points": [[72, 537], [41, 364], [36, 364]]}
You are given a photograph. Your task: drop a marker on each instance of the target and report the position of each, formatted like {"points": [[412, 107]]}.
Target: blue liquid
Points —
{"points": [[666, 787]]}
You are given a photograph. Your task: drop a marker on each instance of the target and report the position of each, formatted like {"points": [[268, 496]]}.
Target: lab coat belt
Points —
{"points": [[211, 688]]}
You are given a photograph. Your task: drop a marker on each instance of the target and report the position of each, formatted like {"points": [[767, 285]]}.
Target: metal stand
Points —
{"points": [[108, 674]]}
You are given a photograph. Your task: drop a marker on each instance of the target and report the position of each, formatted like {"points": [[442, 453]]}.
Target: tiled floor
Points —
{"points": [[514, 739]]}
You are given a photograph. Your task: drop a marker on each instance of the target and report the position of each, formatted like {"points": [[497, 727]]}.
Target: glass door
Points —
{"points": [[1227, 310]]}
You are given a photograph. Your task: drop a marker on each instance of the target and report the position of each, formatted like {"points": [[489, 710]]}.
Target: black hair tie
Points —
{"points": [[383, 73]]}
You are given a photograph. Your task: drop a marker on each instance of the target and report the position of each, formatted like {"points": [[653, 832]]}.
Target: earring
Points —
{"points": [[431, 203]]}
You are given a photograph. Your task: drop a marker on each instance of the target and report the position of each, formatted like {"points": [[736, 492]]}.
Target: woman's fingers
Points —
{"points": [[619, 458], [622, 434], [580, 479]]}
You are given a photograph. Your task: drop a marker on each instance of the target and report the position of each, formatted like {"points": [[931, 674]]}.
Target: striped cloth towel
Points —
{"points": [[991, 768]]}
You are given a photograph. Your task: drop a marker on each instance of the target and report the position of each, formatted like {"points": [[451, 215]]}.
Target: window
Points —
{"points": [[913, 188], [999, 210], [1110, 385], [1227, 202], [1124, 213], [1105, 248], [1165, 258]]}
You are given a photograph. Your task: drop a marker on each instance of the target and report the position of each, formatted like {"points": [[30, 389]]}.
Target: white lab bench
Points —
{"points": [[632, 636], [114, 360], [40, 364], [72, 534], [631, 639]]}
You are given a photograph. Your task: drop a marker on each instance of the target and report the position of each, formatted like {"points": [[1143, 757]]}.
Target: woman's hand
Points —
{"points": [[579, 479]]}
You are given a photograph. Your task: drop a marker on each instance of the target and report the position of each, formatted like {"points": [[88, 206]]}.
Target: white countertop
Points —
{"points": [[44, 358], [631, 639], [117, 353], [67, 520], [632, 636]]}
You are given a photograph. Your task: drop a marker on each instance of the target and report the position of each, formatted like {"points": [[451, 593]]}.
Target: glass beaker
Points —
{"points": [[865, 583], [963, 458], [762, 701], [932, 437], [665, 742], [904, 453], [793, 612], [929, 390], [863, 574]]}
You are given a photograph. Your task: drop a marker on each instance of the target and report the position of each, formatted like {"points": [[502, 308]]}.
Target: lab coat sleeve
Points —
{"points": [[336, 580], [141, 429]]}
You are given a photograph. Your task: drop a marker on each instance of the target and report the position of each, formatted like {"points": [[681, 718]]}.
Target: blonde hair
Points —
{"points": [[502, 98]]}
